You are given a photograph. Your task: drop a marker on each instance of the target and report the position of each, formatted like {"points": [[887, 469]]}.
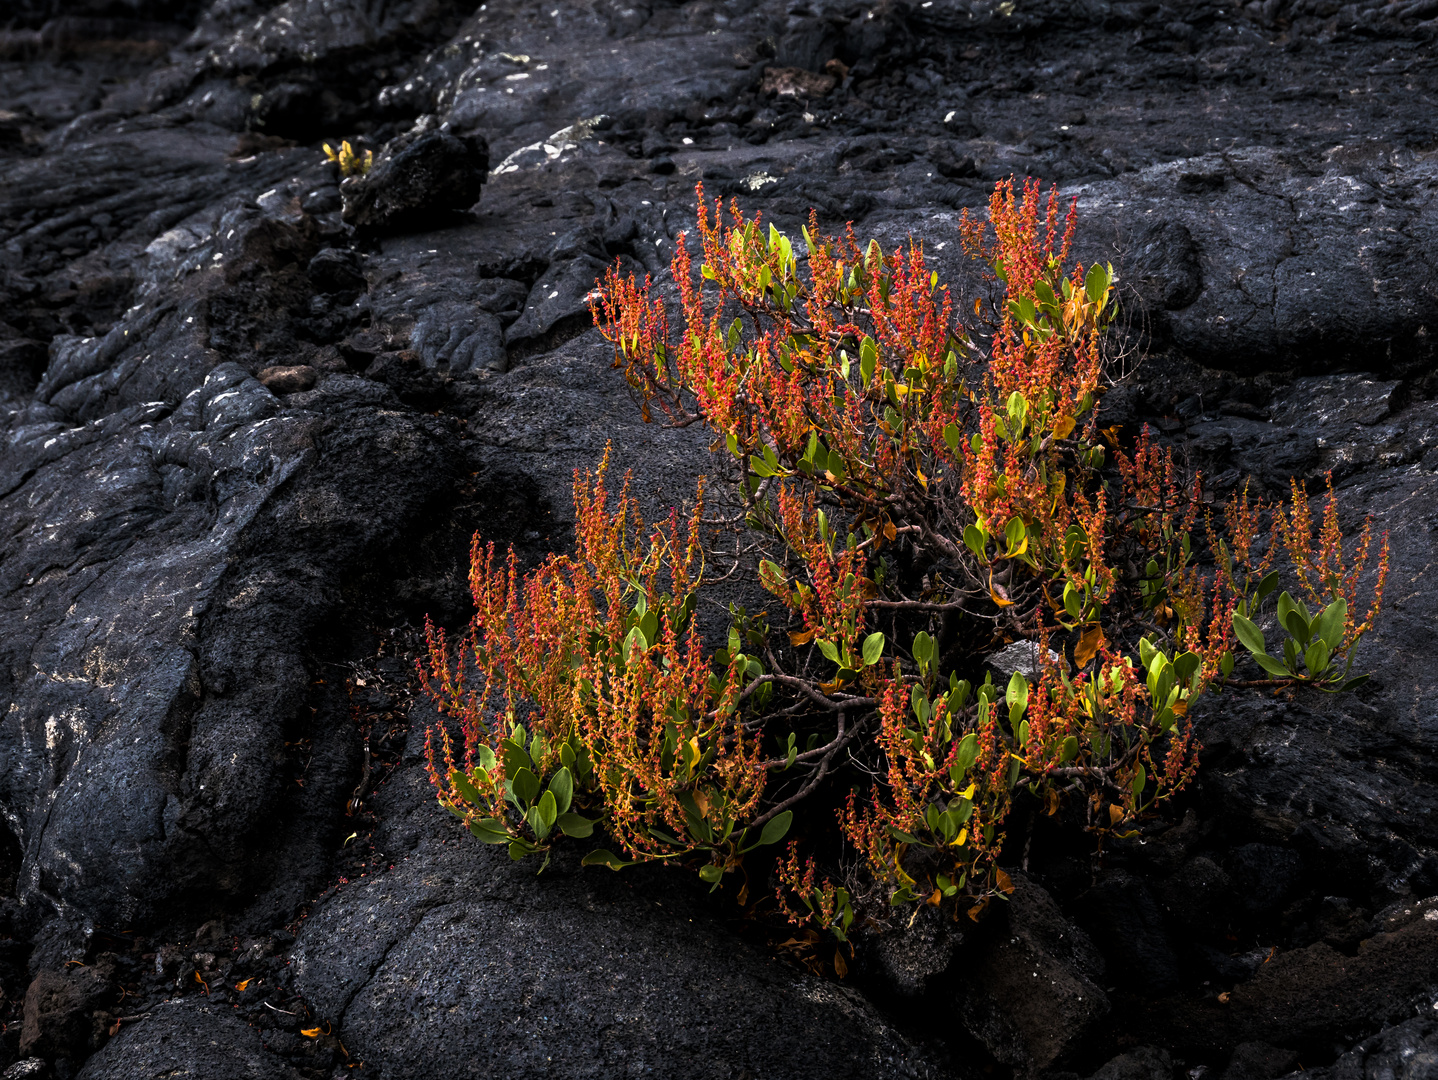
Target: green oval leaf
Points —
{"points": [[873, 648], [1251, 636], [967, 753], [486, 757], [1272, 666], [635, 644], [1096, 283], [1266, 586], [974, 540], [1163, 687], [1185, 666], [1286, 604], [467, 791], [548, 810], [1330, 624], [525, 786], [776, 828], [561, 786], [516, 757], [1017, 694], [1146, 653], [605, 858], [575, 825], [1070, 750], [489, 831], [924, 648], [1297, 625], [1014, 534], [920, 703]]}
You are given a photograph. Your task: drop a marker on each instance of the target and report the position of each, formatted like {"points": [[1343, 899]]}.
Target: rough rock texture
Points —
{"points": [[246, 443], [191, 1039], [61, 1011], [460, 962], [186, 619], [1031, 996], [1141, 1063], [1405, 1051], [1259, 1061], [417, 178]]}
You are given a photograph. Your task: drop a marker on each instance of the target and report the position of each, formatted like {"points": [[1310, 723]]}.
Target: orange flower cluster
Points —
{"points": [[945, 792], [778, 364], [1323, 573], [831, 603], [1048, 344], [598, 651], [825, 904]]}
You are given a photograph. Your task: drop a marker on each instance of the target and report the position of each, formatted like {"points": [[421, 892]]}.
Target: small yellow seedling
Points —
{"points": [[350, 163]]}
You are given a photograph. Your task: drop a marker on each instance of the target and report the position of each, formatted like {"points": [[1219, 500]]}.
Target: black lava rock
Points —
{"points": [[419, 179], [251, 419]]}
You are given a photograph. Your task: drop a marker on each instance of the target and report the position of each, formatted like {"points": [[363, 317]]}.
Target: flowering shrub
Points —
{"points": [[927, 492], [602, 685]]}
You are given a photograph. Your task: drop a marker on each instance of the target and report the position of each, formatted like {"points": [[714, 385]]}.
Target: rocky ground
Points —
{"points": [[252, 419]]}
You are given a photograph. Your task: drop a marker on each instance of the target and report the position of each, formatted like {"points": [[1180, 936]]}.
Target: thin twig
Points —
{"points": [[915, 605], [815, 780]]}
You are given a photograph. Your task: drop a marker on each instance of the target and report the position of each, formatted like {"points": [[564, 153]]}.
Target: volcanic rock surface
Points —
{"points": [[253, 415]]}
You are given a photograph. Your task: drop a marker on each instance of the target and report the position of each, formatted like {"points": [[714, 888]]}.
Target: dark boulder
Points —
{"points": [[1125, 921], [288, 110], [337, 270], [1405, 1051], [169, 774], [22, 362], [909, 963], [188, 1039], [1259, 1061], [1164, 265], [1306, 999], [419, 179], [63, 1011], [560, 297], [1267, 877], [1030, 993], [1140, 1063]]}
